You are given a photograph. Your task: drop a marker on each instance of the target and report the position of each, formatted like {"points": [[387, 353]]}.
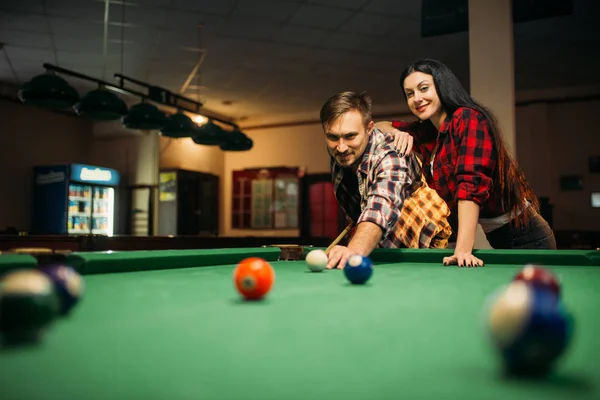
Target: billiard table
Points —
{"points": [[169, 324]]}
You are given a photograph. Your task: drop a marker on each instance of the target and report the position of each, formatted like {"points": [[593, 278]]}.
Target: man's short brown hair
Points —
{"points": [[343, 102]]}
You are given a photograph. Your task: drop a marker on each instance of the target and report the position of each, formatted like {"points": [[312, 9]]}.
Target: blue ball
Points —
{"points": [[531, 329], [68, 284], [358, 269]]}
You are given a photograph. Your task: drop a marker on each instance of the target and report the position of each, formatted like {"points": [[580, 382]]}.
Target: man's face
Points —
{"points": [[347, 138]]}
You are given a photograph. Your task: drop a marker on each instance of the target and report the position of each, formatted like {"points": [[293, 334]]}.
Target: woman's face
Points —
{"points": [[422, 97]]}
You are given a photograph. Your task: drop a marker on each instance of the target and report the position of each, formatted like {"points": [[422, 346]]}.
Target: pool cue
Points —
{"points": [[340, 237]]}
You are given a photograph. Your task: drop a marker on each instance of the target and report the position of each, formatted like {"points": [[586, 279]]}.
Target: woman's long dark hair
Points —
{"points": [[510, 179]]}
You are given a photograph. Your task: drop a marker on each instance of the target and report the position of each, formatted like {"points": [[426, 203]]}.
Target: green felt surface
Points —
{"points": [[144, 260], [16, 261], [517, 257], [414, 332]]}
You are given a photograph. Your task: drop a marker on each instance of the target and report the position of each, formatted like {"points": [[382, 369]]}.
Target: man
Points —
{"points": [[380, 191]]}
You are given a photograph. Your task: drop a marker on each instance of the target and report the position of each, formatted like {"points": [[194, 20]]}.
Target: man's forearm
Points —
{"points": [[365, 238]]}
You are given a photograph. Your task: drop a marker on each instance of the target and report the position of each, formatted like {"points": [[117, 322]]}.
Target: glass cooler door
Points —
{"points": [[80, 207], [103, 211]]}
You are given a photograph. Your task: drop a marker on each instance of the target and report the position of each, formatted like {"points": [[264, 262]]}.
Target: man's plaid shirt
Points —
{"points": [[388, 190]]}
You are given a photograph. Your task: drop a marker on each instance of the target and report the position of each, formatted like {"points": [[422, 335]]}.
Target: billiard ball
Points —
{"points": [[28, 305], [358, 269], [317, 260], [530, 328], [68, 284], [538, 276], [253, 278]]}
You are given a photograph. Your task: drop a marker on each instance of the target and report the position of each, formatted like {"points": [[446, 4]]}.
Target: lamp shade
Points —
{"points": [[237, 141], [179, 125], [144, 116], [210, 134], [101, 104], [49, 91]]}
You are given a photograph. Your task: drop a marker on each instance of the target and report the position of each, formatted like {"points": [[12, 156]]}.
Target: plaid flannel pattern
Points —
{"points": [[465, 161], [388, 190], [424, 219]]}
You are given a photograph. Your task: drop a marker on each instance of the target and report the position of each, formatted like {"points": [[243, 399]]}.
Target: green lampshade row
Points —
{"points": [[102, 105], [144, 116], [210, 134], [179, 125], [48, 91]]}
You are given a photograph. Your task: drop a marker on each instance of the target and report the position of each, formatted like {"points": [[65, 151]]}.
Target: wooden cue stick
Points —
{"points": [[340, 237]]}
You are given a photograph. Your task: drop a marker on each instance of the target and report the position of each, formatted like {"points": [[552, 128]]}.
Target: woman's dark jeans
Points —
{"points": [[537, 234]]}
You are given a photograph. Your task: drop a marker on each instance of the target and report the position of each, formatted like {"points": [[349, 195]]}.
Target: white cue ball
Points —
{"points": [[316, 260], [509, 313]]}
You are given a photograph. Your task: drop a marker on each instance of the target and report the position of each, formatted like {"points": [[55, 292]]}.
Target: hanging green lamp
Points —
{"points": [[179, 125], [237, 141], [48, 91], [144, 116], [101, 104], [210, 134]]}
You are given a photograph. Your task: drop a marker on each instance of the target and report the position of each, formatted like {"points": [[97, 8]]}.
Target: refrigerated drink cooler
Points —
{"points": [[74, 199]]}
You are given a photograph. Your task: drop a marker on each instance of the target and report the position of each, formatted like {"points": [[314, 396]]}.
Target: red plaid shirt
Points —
{"points": [[387, 190], [464, 165]]}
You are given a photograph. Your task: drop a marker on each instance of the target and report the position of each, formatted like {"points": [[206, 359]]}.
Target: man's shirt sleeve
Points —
{"points": [[386, 194]]}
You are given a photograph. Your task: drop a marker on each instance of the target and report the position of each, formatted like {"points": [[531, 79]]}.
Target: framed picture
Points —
{"points": [[595, 199], [571, 183], [594, 164]]}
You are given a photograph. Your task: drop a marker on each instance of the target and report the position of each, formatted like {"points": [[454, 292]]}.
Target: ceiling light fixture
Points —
{"points": [[210, 134], [144, 116], [100, 104], [237, 141], [49, 91], [52, 91], [178, 125]]}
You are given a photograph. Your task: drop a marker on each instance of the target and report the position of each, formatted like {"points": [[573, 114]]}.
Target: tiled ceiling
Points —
{"points": [[273, 60]]}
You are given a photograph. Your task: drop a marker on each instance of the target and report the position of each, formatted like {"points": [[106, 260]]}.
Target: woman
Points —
{"points": [[468, 164]]}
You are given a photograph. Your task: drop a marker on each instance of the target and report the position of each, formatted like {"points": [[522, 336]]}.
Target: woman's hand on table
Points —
{"points": [[338, 256], [463, 259]]}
